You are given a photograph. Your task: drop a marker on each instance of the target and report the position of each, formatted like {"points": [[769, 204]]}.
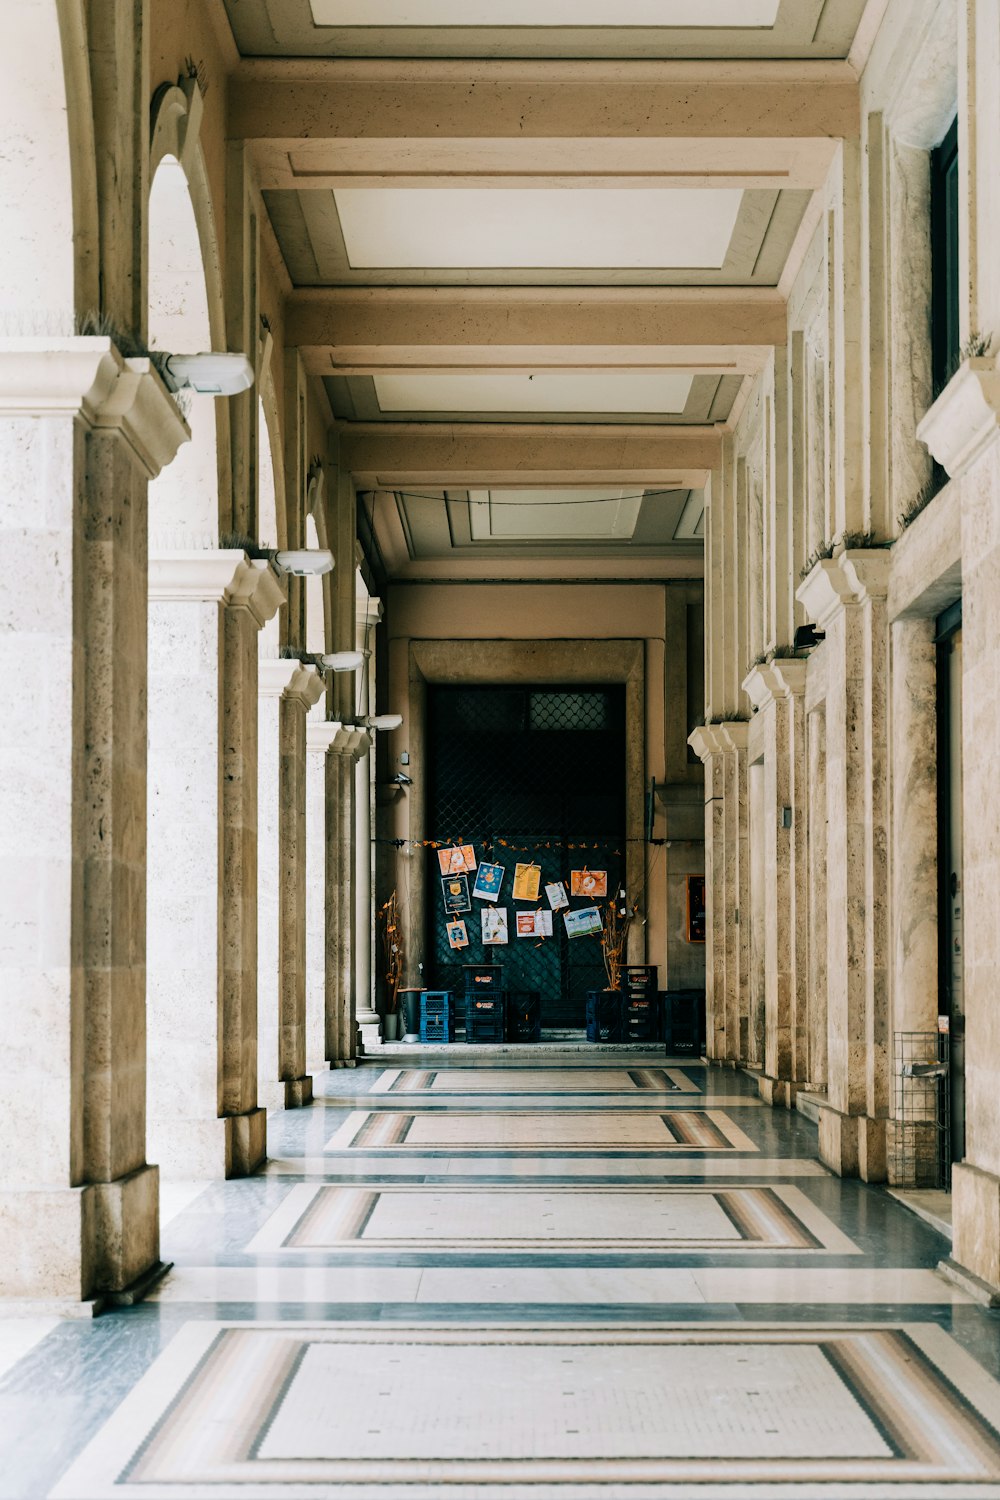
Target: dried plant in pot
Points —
{"points": [[618, 919], [392, 954]]}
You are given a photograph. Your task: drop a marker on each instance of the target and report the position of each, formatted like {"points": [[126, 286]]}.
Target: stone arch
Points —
{"points": [[48, 251]]}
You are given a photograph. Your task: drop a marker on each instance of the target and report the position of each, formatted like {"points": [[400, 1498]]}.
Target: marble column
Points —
{"points": [[321, 1011], [368, 615], [818, 818], [706, 746], [82, 430], [205, 611], [846, 596], [288, 689], [342, 834], [777, 691]]}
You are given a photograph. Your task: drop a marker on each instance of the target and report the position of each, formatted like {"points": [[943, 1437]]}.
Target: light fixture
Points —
{"points": [[401, 779], [807, 636], [307, 563], [344, 661], [383, 721], [214, 374]]}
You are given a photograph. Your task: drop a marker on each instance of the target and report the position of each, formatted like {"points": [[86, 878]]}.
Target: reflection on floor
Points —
{"points": [[510, 1284]]}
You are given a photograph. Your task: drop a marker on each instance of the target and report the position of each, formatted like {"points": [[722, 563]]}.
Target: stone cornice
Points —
{"points": [[704, 741], [367, 612], [714, 739], [965, 419], [223, 575], [321, 734], [88, 377], [348, 740], [781, 678], [733, 735], [856, 575], [285, 677]]}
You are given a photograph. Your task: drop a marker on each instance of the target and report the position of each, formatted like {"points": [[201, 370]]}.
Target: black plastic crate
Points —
{"points": [[524, 1016], [484, 1029], [489, 1006], [483, 978], [642, 1018], [684, 1022], [604, 1016], [638, 979]]}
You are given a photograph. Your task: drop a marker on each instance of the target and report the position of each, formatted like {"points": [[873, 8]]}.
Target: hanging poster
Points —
{"points": [[526, 878], [556, 893], [534, 924], [588, 883], [455, 890], [494, 920], [458, 936], [581, 923], [489, 879], [456, 859]]}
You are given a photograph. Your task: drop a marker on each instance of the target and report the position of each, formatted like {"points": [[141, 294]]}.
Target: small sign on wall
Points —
{"points": [[696, 908]]}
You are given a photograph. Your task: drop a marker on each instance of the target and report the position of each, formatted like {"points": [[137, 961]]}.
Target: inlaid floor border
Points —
{"points": [[688, 1131]]}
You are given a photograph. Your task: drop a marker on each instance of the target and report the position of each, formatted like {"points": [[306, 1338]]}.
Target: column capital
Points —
{"points": [[287, 677], [88, 377], [858, 574], [965, 419], [223, 575], [704, 741], [733, 735], [367, 612], [330, 735], [783, 677]]}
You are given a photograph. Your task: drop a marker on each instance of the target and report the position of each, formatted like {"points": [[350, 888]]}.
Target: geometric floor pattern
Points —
{"points": [[541, 1278]]}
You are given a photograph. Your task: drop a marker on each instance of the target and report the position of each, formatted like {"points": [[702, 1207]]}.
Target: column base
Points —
{"points": [[298, 1091], [852, 1145], [779, 1093], [975, 1211], [369, 1032], [193, 1150], [246, 1142], [74, 1246]]}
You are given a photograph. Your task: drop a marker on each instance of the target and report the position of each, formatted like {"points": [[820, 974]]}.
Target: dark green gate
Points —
{"points": [[527, 774]]}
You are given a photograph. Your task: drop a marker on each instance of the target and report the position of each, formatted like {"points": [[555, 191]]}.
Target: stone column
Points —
{"points": [[81, 432], [342, 835], [777, 691], [288, 689], [706, 746], [846, 597], [321, 1011], [368, 615], [205, 611]]}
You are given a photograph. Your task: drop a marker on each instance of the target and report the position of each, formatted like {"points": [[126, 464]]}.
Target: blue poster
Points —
{"points": [[489, 879]]}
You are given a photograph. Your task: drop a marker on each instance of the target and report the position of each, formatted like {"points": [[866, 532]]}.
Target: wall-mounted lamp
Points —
{"points": [[807, 636], [212, 374], [401, 779], [383, 721], [344, 661], [310, 563]]}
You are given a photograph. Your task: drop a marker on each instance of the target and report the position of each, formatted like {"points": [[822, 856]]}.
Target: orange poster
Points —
{"points": [[588, 883], [526, 878]]}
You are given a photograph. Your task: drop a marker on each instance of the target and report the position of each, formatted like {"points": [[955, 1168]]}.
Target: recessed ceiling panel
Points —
{"points": [[553, 515], [525, 227], [674, 13], [547, 391]]}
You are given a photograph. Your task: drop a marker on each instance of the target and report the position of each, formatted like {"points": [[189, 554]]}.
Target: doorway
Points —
{"points": [[526, 774]]}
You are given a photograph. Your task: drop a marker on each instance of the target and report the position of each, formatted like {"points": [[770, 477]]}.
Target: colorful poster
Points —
{"points": [[455, 890], [526, 879], [534, 924], [489, 879], [494, 925], [583, 922], [458, 936], [456, 859], [588, 883], [556, 893]]}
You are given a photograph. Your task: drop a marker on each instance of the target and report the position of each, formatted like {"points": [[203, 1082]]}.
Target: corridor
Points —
{"points": [[584, 1274]]}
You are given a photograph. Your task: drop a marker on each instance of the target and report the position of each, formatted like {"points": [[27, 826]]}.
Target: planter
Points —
{"points": [[390, 1026], [409, 1008]]}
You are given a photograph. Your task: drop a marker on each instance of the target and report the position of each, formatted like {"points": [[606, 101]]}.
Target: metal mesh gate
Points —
{"points": [[527, 774]]}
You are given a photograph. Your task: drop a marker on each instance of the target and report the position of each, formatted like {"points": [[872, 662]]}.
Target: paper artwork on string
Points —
{"points": [[588, 883], [556, 893], [494, 920], [457, 859], [526, 880], [583, 922], [458, 936], [455, 890], [534, 924], [489, 879]]}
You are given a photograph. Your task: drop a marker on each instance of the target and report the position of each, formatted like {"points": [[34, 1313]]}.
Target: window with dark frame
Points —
{"points": [[945, 336]]}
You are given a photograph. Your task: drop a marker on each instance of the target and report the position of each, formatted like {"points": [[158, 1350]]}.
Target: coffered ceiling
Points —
{"points": [[538, 250]]}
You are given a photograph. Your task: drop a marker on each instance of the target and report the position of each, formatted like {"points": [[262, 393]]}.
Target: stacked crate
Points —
{"points": [[684, 1022], [485, 1003], [604, 1016], [437, 1016], [641, 1004], [524, 1016]]}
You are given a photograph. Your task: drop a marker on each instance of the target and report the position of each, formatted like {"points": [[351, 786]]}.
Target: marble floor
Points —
{"points": [[539, 1275]]}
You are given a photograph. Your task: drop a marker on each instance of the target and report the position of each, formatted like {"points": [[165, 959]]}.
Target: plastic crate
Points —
{"points": [[483, 978], [638, 979], [439, 1029], [436, 1003], [484, 1029], [684, 1022], [604, 1016], [524, 1016], [641, 1020], [437, 1016], [489, 1006]]}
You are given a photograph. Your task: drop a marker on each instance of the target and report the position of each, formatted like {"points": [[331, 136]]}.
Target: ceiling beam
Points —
{"points": [[468, 114], [391, 455], [376, 330]]}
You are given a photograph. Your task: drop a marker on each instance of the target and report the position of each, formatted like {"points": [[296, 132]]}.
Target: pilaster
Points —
{"points": [[846, 596], [777, 691], [82, 430], [368, 613], [205, 611]]}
